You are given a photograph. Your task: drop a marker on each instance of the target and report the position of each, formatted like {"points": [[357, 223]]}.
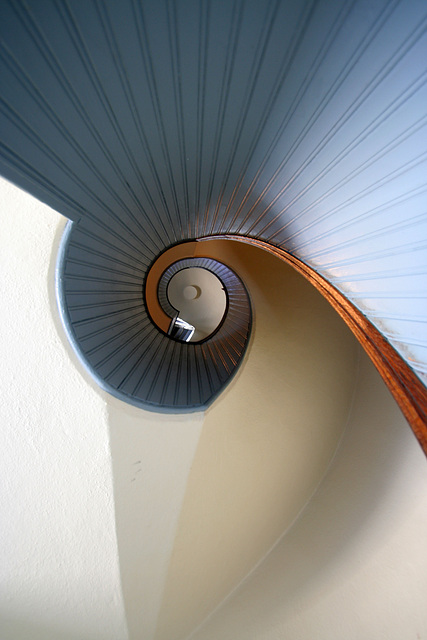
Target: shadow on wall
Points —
{"points": [[266, 441], [348, 510], [59, 568], [251, 465], [212, 497], [24, 629], [312, 579], [151, 457]]}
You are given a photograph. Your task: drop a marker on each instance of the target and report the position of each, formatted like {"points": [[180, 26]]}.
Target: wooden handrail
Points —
{"points": [[405, 386]]}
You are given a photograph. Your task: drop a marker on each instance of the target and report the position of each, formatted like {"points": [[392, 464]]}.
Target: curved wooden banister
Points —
{"points": [[405, 386]]}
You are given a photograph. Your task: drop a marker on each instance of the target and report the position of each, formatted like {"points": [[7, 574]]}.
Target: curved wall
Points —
{"points": [[60, 569], [354, 564], [266, 441]]}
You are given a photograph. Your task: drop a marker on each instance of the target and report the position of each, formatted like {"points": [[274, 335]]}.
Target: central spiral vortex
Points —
{"points": [[122, 322]]}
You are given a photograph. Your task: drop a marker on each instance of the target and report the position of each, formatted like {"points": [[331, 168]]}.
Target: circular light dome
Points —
{"points": [[191, 292], [200, 299]]}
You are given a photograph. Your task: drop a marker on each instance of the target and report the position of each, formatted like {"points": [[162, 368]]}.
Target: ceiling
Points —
{"points": [[299, 123]]}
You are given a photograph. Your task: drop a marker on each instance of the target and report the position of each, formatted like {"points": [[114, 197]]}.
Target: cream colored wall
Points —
{"points": [[77, 465], [354, 565], [152, 456], [266, 442], [59, 572], [59, 575]]}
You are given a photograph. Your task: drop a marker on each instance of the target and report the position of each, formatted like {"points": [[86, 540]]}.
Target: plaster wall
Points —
{"points": [[266, 441], [354, 565], [59, 574], [152, 456], [91, 488]]}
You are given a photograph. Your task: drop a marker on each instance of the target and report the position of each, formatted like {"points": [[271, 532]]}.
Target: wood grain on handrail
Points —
{"points": [[405, 386]]}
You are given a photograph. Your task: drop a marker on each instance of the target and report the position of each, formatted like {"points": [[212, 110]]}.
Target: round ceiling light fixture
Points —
{"points": [[200, 299]]}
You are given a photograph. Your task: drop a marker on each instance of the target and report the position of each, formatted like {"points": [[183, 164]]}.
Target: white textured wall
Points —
{"points": [[59, 575], [76, 465]]}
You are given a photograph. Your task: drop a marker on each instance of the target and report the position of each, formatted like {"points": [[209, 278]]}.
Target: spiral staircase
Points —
{"points": [[161, 129], [150, 124]]}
